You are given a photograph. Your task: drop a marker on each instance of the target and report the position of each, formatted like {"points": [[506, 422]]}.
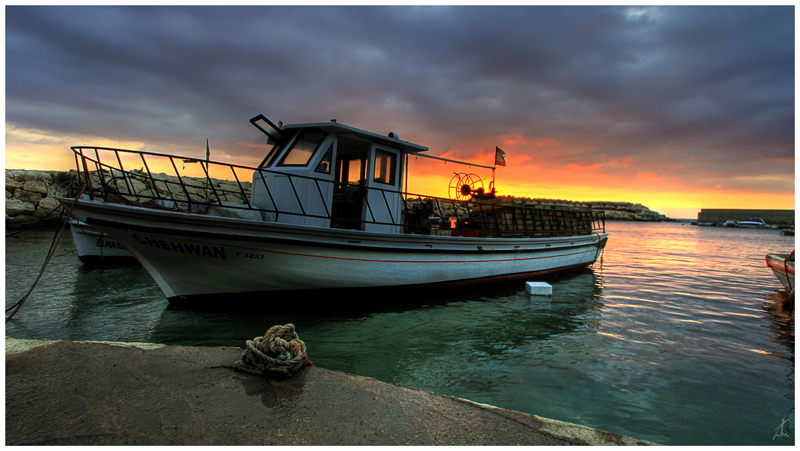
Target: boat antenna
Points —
{"points": [[451, 161]]}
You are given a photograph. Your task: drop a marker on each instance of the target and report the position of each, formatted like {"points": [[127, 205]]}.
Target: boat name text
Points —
{"points": [[186, 248], [111, 244]]}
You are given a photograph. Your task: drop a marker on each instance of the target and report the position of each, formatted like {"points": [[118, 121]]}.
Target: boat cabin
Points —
{"points": [[331, 175]]}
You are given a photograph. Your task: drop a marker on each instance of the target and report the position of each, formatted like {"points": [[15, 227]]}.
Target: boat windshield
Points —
{"points": [[303, 148], [295, 149]]}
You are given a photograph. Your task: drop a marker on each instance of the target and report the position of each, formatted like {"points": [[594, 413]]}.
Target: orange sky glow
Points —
{"points": [[677, 108], [612, 179]]}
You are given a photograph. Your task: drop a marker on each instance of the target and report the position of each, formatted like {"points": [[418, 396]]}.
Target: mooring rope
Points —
{"points": [[50, 254], [279, 352], [34, 223]]}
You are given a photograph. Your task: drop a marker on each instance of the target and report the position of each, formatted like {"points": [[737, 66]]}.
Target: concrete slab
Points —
{"points": [[91, 393]]}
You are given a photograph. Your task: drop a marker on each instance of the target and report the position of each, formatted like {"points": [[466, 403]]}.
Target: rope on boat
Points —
{"points": [[280, 352]]}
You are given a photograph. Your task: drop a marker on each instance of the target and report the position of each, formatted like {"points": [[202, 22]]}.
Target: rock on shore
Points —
{"points": [[31, 197]]}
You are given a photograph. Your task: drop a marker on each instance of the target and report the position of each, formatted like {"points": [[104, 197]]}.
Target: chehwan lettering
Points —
{"points": [[186, 248]]}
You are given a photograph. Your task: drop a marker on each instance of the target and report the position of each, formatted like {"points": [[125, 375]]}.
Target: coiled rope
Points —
{"points": [[280, 352]]}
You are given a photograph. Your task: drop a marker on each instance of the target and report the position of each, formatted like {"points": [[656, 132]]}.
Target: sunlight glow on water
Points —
{"points": [[676, 336]]}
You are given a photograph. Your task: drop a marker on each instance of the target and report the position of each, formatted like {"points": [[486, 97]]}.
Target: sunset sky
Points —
{"points": [[676, 108]]}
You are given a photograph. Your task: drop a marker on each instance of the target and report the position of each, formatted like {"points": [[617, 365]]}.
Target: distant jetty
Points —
{"points": [[31, 199], [718, 216]]}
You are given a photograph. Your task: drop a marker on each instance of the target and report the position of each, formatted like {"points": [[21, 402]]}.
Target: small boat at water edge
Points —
{"points": [[782, 265], [752, 223], [94, 248], [325, 211]]}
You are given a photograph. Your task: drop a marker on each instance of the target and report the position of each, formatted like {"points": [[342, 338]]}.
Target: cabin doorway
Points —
{"points": [[350, 188], [383, 196]]}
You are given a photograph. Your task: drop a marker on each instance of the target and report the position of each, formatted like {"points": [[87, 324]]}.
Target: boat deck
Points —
{"points": [[217, 188]]}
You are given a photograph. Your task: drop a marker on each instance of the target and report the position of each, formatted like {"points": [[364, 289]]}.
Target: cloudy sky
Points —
{"points": [[677, 108]]}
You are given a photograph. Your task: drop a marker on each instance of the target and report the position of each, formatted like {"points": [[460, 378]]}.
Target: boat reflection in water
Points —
{"points": [[781, 320], [488, 320]]}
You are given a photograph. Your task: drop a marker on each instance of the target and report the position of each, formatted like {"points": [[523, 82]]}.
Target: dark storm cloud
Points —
{"points": [[713, 83]]}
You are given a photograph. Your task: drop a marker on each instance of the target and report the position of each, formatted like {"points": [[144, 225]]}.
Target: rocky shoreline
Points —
{"points": [[31, 200], [31, 196], [619, 211]]}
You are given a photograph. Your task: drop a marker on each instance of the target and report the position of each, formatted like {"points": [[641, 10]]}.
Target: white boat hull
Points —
{"points": [[96, 248], [783, 268], [750, 225], [192, 255]]}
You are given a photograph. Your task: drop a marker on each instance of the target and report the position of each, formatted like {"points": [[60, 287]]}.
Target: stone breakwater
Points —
{"points": [[31, 198], [622, 211]]}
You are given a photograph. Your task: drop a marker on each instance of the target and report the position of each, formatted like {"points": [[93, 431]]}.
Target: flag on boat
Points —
{"points": [[499, 159]]}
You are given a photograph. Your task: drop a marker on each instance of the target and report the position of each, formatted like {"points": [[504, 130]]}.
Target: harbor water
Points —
{"points": [[675, 336]]}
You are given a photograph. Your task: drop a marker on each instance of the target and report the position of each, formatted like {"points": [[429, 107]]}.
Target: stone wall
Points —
{"points": [[626, 211], [31, 196], [623, 211]]}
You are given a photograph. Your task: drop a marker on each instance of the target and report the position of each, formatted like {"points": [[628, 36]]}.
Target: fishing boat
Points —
{"points": [[752, 223], [782, 265], [95, 248], [323, 210]]}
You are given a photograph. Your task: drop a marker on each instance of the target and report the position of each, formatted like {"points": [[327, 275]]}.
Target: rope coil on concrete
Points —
{"points": [[280, 352]]}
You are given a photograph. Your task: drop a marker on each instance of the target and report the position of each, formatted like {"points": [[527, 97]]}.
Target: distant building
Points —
{"points": [[720, 215]]}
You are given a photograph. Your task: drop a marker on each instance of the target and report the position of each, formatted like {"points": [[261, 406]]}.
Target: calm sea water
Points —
{"points": [[676, 336]]}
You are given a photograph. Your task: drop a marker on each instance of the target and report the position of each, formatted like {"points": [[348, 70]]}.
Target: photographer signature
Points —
{"points": [[779, 432]]}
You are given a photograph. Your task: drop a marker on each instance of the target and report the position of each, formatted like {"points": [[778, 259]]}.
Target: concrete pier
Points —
{"points": [[93, 393]]}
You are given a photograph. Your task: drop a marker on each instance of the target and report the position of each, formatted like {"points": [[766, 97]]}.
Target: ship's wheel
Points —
{"points": [[463, 186]]}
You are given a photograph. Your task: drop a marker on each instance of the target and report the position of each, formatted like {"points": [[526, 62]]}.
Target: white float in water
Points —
{"points": [[538, 288]]}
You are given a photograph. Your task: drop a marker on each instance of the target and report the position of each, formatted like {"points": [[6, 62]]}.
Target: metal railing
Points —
{"points": [[112, 175]]}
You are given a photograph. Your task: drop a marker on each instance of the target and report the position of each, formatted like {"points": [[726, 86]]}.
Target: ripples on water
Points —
{"points": [[676, 336]]}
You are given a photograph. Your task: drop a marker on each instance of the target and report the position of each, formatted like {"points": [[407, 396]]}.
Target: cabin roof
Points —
{"points": [[335, 127]]}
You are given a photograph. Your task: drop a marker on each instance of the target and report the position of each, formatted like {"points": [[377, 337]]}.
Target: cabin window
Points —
{"points": [[385, 167], [277, 149], [304, 146], [352, 171], [324, 165]]}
